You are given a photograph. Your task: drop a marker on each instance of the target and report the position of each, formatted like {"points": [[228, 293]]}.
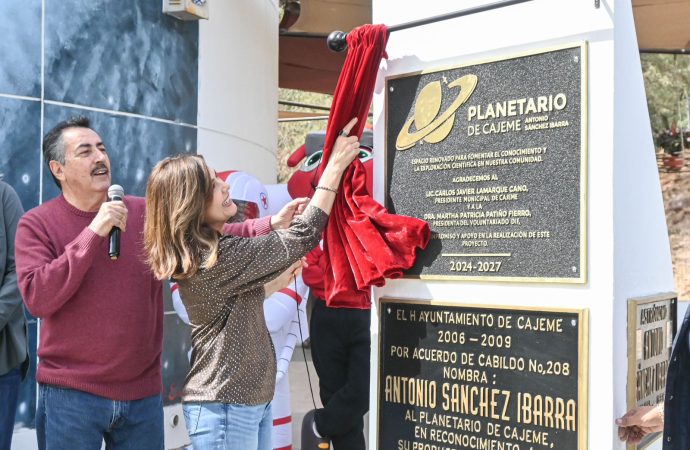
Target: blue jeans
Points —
{"points": [[9, 393], [67, 419], [223, 426]]}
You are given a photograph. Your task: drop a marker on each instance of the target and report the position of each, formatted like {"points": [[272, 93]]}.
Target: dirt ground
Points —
{"points": [[675, 188]]}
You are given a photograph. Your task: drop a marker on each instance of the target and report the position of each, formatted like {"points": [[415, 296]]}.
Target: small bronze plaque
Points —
{"points": [[651, 330], [493, 156], [456, 377]]}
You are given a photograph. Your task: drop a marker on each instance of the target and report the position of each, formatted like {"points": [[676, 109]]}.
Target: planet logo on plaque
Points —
{"points": [[432, 126]]}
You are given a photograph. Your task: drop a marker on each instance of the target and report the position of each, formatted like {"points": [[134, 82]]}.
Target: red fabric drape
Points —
{"points": [[363, 243]]}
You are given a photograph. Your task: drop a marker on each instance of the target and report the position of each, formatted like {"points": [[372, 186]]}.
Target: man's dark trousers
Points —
{"points": [[341, 346]]}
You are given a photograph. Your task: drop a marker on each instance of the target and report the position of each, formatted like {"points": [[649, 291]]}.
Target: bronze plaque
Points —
{"points": [[493, 156], [458, 377], [651, 330]]}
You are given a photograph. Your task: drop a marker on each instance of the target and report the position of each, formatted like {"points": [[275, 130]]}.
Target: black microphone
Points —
{"points": [[115, 192]]}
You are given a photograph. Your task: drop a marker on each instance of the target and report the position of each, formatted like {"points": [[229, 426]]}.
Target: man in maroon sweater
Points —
{"points": [[101, 334]]}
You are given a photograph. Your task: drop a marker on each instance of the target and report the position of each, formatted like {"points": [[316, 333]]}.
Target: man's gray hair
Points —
{"points": [[53, 148]]}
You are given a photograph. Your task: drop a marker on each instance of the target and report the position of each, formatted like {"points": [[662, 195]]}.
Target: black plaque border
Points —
{"points": [[582, 359], [584, 120], [633, 304]]}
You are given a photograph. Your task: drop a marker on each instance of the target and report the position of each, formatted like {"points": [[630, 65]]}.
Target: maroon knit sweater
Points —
{"points": [[102, 320]]}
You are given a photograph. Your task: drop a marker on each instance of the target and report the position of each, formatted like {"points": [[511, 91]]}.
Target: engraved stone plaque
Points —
{"points": [[457, 377], [493, 156], [651, 330]]}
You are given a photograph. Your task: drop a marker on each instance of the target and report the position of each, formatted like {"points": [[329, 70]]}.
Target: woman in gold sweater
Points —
{"points": [[221, 280]]}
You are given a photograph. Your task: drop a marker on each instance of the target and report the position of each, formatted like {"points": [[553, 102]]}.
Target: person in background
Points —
{"points": [[286, 318], [14, 357], [673, 415], [339, 330], [221, 280]]}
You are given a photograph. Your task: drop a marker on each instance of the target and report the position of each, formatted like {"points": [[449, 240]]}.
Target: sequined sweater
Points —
{"points": [[233, 360]]}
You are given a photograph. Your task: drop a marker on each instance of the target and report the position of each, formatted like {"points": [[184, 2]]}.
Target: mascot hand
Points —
{"points": [[284, 217]]}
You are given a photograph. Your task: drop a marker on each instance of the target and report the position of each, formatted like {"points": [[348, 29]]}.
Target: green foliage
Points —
{"points": [[292, 134], [667, 82], [670, 141]]}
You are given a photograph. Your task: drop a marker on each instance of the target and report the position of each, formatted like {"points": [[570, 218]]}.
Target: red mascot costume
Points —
{"points": [[340, 339]]}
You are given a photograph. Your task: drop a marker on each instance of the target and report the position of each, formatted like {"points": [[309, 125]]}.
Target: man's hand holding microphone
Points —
{"points": [[111, 218]]}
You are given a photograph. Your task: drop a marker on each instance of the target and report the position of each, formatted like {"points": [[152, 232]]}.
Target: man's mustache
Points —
{"points": [[99, 167]]}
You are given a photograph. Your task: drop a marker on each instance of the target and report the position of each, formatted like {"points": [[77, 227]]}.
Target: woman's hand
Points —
{"points": [[284, 279], [345, 149]]}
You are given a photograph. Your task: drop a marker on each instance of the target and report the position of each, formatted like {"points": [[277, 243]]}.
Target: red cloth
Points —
{"points": [[363, 243], [314, 273]]}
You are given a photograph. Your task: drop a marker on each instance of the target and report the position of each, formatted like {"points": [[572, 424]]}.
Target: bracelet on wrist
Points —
{"points": [[326, 188]]}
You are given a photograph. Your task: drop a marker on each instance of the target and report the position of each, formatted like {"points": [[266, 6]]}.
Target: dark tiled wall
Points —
{"points": [[20, 141], [20, 48], [123, 56], [136, 66]]}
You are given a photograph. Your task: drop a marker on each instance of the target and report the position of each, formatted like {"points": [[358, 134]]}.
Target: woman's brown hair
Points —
{"points": [[177, 241]]}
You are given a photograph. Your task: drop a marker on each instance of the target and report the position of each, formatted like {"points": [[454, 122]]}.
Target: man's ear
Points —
{"points": [[57, 170]]}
